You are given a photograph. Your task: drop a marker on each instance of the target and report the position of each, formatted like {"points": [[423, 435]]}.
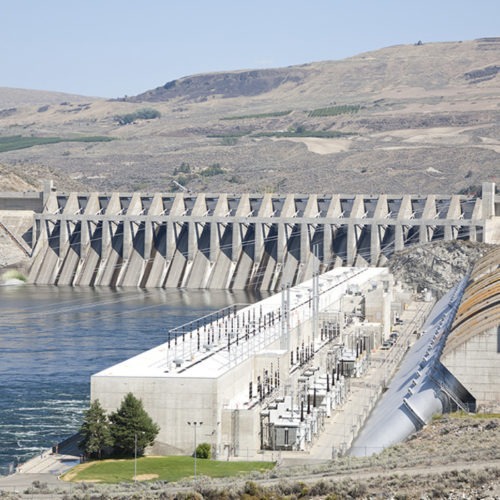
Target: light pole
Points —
{"points": [[135, 457], [194, 425]]}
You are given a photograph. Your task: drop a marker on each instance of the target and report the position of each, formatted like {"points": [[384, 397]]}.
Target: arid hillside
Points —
{"points": [[410, 118]]}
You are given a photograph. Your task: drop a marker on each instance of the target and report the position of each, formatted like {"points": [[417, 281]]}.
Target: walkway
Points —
{"points": [[45, 468]]}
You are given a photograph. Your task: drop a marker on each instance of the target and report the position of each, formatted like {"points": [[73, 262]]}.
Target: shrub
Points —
{"points": [[184, 168], [203, 450], [141, 114], [214, 169], [184, 180], [320, 488], [147, 114], [229, 140]]}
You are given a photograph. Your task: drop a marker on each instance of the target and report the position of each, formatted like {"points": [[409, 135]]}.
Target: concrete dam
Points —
{"points": [[240, 241]]}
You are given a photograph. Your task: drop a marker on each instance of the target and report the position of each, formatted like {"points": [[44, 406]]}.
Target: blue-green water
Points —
{"points": [[53, 338]]}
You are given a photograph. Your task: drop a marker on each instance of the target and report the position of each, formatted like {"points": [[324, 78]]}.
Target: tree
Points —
{"points": [[95, 431], [132, 427]]}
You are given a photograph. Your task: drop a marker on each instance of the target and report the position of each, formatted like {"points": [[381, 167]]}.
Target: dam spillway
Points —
{"points": [[240, 241]]}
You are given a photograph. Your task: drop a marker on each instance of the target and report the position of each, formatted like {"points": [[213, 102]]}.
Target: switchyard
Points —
{"points": [[273, 376]]}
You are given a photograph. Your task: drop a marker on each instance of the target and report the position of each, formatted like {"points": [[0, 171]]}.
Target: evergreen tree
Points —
{"points": [[95, 431], [131, 426]]}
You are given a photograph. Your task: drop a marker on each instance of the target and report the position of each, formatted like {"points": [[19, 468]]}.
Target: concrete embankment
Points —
{"points": [[44, 469], [15, 242]]}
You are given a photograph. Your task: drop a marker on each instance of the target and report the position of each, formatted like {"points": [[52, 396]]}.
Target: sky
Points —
{"points": [[113, 48]]}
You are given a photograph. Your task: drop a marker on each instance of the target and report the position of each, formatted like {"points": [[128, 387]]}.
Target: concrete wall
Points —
{"points": [[22, 201], [476, 365], [378, 307], [172, 405]]}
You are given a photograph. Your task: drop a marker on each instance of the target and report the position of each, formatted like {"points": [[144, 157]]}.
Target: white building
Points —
{"points": [[225, 372]]}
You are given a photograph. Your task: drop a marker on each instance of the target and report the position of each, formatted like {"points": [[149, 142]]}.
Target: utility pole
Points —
{"points": [[195, 425], [135, 457], [315, 297], [285, 317]]}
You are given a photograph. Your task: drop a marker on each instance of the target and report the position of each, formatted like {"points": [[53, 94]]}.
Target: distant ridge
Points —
{"points": [[10, 97], [416, 118], [235, 84]]}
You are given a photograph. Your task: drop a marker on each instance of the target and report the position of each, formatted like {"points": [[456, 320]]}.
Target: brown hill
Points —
{"points": [[409, 118]]}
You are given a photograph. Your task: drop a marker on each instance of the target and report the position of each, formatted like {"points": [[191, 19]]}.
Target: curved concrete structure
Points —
{"points": [[420, 388], [472, 351], [455, 364]]}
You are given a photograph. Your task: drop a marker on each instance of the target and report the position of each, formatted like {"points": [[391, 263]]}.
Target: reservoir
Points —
{"points": [[53, 338]]}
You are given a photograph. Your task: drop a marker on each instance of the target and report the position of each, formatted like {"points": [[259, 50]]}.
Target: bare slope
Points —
{"points": [[409, 118]]}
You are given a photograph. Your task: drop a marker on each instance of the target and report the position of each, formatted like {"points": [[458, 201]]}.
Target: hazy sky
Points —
{"points": [[112, 48]]}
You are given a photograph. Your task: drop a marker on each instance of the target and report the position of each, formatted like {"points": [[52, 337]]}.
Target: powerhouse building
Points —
{"points": [[264, 376]]}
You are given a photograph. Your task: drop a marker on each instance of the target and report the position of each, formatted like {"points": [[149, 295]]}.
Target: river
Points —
{"points": [[53, 338]]}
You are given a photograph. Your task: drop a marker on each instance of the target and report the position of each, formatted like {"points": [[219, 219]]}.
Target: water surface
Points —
{"points": [[53, 338]]}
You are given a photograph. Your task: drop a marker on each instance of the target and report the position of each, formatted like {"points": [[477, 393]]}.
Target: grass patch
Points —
{"points": [[159, 468], [334, 111], [235, 135], [326, 134], [259, 115], [13, 142], [13, 274]]}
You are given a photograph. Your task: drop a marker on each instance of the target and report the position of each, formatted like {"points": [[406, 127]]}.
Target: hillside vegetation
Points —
{"points": [[409, 118]]}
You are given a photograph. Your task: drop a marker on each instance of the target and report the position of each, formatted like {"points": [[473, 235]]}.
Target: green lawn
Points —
{"points": [[159, 468]]}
